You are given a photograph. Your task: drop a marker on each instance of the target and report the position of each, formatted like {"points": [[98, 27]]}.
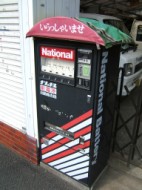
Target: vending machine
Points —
{"points": [[76, 84]]}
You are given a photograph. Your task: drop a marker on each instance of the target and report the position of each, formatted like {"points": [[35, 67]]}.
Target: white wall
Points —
{"points": [[12, 104], [49, 8], [27, 50], [17, 84]]}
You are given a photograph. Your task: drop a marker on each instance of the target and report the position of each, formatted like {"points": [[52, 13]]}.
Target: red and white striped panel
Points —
{"points": [[69, 156]]}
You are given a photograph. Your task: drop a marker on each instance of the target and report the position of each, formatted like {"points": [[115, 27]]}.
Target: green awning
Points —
{"points": [[111, 35]]}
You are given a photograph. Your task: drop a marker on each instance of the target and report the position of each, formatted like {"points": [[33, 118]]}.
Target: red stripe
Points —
{"points": [[73, 122], [66, 153], [54, 146], [66, 140], [82, 132]]}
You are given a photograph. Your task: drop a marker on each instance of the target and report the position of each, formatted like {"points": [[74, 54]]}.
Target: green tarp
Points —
{"points": [[111, 35]]}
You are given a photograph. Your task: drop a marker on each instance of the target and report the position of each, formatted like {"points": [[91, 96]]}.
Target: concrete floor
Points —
{"points": [[116, 180], [17, 173], [120, 177]]}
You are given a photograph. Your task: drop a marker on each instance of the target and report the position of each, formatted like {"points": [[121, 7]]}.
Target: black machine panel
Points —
{"points": [[65, 106], [71, 90]]}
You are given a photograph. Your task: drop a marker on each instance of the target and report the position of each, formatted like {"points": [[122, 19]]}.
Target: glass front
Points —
{"points": [[84, 71], [84, 63]]}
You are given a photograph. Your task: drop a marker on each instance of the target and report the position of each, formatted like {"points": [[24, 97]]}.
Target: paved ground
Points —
{"points": [[17, 173]]}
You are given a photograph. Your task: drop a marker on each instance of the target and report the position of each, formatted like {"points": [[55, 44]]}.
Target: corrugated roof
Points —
{"points": [[121, 8]]}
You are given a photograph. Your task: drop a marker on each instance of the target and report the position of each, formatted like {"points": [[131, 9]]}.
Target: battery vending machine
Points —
{"points": [[76, 79]]}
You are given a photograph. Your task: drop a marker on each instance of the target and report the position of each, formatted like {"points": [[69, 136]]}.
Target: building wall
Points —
{"points": [[19, 142], [18, 128], [49, 8], [12, 104]]}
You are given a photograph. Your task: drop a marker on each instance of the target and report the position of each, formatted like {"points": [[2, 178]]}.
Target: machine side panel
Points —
{"points": [[104, 110]]}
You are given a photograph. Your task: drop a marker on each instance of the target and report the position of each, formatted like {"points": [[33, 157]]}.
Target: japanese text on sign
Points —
{"points": [[48, 89], [63, 28]]}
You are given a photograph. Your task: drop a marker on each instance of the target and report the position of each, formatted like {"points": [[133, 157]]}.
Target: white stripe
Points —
{"points": [[82, 176], [78, 171], [54, 152], [58, 137], [52, 141], [44, 145], [74, 129], [58, 150], [87, 137], [67, 158], [72, 162], [65, 147], [75, 167], [81, 125], [73, 143]]}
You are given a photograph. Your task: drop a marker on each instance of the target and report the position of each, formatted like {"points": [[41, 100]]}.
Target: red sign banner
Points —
{"points": [[65, 28], [57, 53]]}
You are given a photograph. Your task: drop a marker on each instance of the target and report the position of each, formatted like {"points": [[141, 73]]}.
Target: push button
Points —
{"points": [[88, 98], [80, 82], [86, 83]]}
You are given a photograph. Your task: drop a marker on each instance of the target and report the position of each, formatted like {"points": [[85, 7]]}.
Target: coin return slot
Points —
{"points": [[59, 131]]}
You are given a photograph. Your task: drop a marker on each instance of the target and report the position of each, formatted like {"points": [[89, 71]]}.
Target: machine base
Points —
{"points": [[77, 185]]}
